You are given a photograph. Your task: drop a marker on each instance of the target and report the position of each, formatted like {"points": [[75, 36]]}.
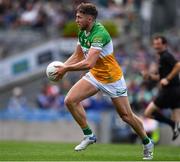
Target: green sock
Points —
{"points": [[87, 131], [146, 140]]}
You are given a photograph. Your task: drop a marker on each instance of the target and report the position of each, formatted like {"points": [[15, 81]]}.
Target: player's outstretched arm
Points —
{"points": [[76, 57]]}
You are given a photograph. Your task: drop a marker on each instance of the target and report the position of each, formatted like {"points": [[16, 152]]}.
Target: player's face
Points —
{"points": [[158, 45], [82, 21]]}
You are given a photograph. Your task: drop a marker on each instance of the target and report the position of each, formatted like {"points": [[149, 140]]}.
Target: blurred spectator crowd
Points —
{"points": [[54, 13], [31, 13], [25, 23]]}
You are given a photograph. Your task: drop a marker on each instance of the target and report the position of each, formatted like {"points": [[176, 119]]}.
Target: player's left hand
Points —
{"points": [[164, 82]]}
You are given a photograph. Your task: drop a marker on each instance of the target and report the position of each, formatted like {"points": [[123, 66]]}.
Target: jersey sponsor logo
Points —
{"points": [[97, 45], [97, 40]]}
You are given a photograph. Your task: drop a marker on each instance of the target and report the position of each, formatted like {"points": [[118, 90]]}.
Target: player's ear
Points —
{"points": [[90, 18]]}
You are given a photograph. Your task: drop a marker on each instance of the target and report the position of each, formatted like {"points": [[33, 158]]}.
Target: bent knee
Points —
{"points": [[69, 101]]}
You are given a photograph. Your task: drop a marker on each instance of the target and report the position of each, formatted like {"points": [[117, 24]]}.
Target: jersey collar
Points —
{"points": [[88, 33]]}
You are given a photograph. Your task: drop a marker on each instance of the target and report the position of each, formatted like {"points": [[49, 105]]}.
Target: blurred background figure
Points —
{"points": [[17, 102], [43, 97], [50, 97]]}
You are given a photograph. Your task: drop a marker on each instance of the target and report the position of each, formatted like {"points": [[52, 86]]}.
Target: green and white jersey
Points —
{"points": [[106, 69]]}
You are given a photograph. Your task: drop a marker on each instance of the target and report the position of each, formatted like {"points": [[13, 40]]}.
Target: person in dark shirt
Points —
{"points": [[169, 91]]}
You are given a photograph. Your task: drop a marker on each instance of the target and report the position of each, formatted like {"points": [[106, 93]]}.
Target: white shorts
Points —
{"points": [[113, 90]]}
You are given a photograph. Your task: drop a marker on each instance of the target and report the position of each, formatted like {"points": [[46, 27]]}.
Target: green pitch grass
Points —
{"points": [[45, 151]]}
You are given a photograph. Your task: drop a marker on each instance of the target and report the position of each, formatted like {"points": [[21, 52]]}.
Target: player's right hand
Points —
{"points": [[61, 70]]}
